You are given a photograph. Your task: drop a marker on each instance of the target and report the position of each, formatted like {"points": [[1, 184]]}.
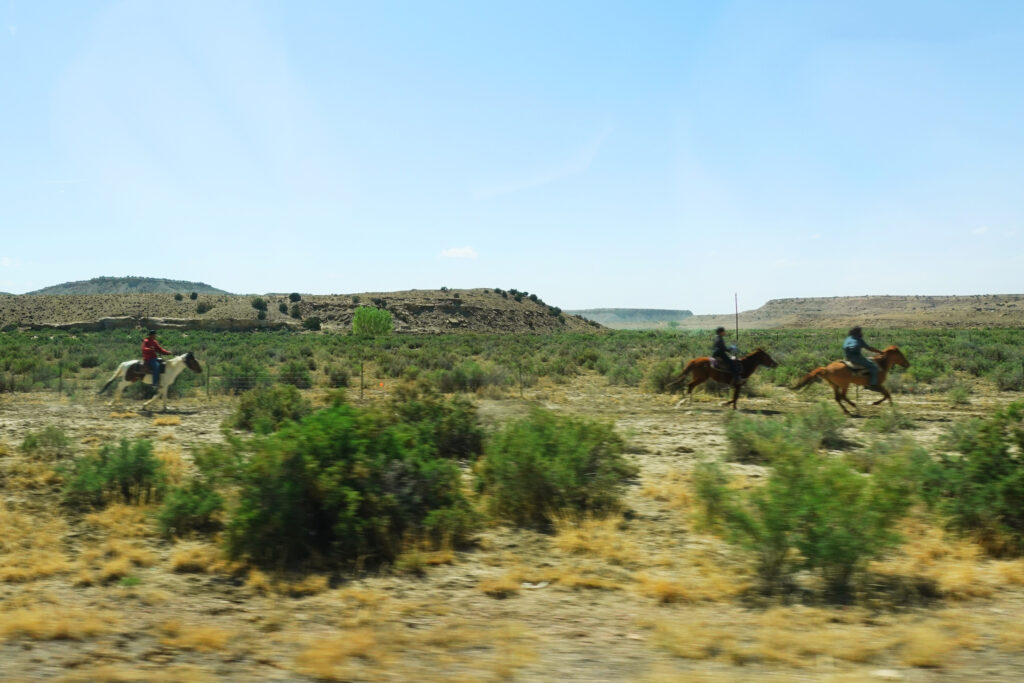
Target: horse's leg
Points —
{"points": [[839, 396], [117, 393], [885, 395], [735, 396]]}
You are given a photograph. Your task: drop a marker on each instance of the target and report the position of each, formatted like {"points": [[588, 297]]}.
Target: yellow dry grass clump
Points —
{"points": [[166, 421], [195, 558], [261, 583], [123, 521], [30, 545], [602, 538], [47, 623], [200, 638]]}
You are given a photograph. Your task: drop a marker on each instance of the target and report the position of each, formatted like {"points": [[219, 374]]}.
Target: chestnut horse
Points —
{"points": [[134, 371], [840, 376], [702, 371]]}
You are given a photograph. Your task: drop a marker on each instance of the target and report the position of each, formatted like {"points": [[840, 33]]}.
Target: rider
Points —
{"points": [[720, 352], [150, 348], [851, 351]]}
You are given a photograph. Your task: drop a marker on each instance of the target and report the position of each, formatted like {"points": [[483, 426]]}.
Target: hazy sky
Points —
{"points": [[600, 154]]}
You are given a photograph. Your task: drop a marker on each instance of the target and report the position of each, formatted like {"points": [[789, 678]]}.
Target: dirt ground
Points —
{"points": [[641, 596]]}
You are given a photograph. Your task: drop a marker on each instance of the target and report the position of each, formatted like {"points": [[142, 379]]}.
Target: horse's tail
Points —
{"points": [[812, 376], [117, 375], [672, 384]]}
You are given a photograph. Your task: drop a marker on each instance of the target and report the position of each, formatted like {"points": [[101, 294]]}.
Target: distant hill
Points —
{"points": [[130, 285], [413, 311], [838, 312], [633, 317]]}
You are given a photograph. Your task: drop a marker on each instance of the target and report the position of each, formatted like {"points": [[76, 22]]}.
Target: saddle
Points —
{"points": [[856, 369], [718, 365], [138, 370]]}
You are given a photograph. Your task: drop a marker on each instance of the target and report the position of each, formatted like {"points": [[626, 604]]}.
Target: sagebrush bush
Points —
{"points": [[755, 438], [242, 375], [296, 373], [49, 442], [294, 297], [981, 485], [265, 409], [282, 307], [451, 425], [192, 506], [546, 464], [342, 485], [127, 472], [660, 374], [259, 303], [813, 512]]}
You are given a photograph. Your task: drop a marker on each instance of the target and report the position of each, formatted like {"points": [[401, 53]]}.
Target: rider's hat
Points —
{"points": [[152, 332]]}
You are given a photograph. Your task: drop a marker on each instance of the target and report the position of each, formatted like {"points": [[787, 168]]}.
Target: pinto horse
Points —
{"points": [[840, 376], [702, 370], [132, 371]]}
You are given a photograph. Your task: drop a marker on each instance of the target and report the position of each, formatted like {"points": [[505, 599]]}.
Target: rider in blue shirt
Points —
{"points": [[851, 351]]}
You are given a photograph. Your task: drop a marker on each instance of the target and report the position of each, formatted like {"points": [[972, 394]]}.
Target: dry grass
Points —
{"points": [[180, 673], [123, 415], [194, 558], [175, 466], [32, 475], [51, 624], [123, 521], [166, 421], [694, 638], [199, 638], [261, 583], [927, 646], [500, 588], [328, 658], [30, 545], [602, 538]]}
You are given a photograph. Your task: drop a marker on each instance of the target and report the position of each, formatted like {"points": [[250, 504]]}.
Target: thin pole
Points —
{"points": [[736, 299]]}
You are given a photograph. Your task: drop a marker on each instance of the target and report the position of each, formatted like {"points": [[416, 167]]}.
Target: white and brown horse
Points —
{"points": [[132, 371]]}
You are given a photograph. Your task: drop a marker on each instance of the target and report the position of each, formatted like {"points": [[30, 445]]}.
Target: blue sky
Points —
{"points": [[642, 154]]}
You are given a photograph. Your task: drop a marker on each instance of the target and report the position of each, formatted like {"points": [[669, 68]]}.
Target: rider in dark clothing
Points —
{"points": [[720, 352]]}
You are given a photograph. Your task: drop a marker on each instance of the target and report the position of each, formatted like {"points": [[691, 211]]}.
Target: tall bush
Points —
{"points": [[371, 321], [128, 472], [265, 409]]}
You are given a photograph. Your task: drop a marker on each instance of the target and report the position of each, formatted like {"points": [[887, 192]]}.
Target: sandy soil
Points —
{"points": [[638, 597]]}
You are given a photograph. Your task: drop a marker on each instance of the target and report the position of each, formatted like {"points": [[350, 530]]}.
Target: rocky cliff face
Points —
{"points": [[413, 311]]}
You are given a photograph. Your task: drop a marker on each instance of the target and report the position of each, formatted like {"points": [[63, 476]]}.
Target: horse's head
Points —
{"points": [[894, 356], [764, 359], [191, 363]]}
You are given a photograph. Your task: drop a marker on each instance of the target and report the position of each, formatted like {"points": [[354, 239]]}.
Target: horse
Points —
{"points": [[703, 370], [840, 376], [132, 371]]}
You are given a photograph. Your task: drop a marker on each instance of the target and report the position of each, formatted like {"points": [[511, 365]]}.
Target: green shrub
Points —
{"points": [[312, 323], [259, 303], [755, 438], [889, 422], [959, 395], [243, 375], [203, 307], [545, 464], [283, 307], [191, 507], [193, 296], [343, 485], [294, 297], [49, 442], [1009, 377], [296, 312], [625, 375], [261, 315], [981, 485], [296, 373], [127, 472], [370, 321], [813, 512], [660, 374], [450, 425], [265, 409], [338, 377], [178, 296]]}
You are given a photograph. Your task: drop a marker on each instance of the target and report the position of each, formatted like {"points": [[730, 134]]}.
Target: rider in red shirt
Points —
{"points": [[150, 348]]}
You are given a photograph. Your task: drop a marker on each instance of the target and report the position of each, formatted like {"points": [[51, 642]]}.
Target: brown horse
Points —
{"points": [[840, 376], [702, 371]]}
